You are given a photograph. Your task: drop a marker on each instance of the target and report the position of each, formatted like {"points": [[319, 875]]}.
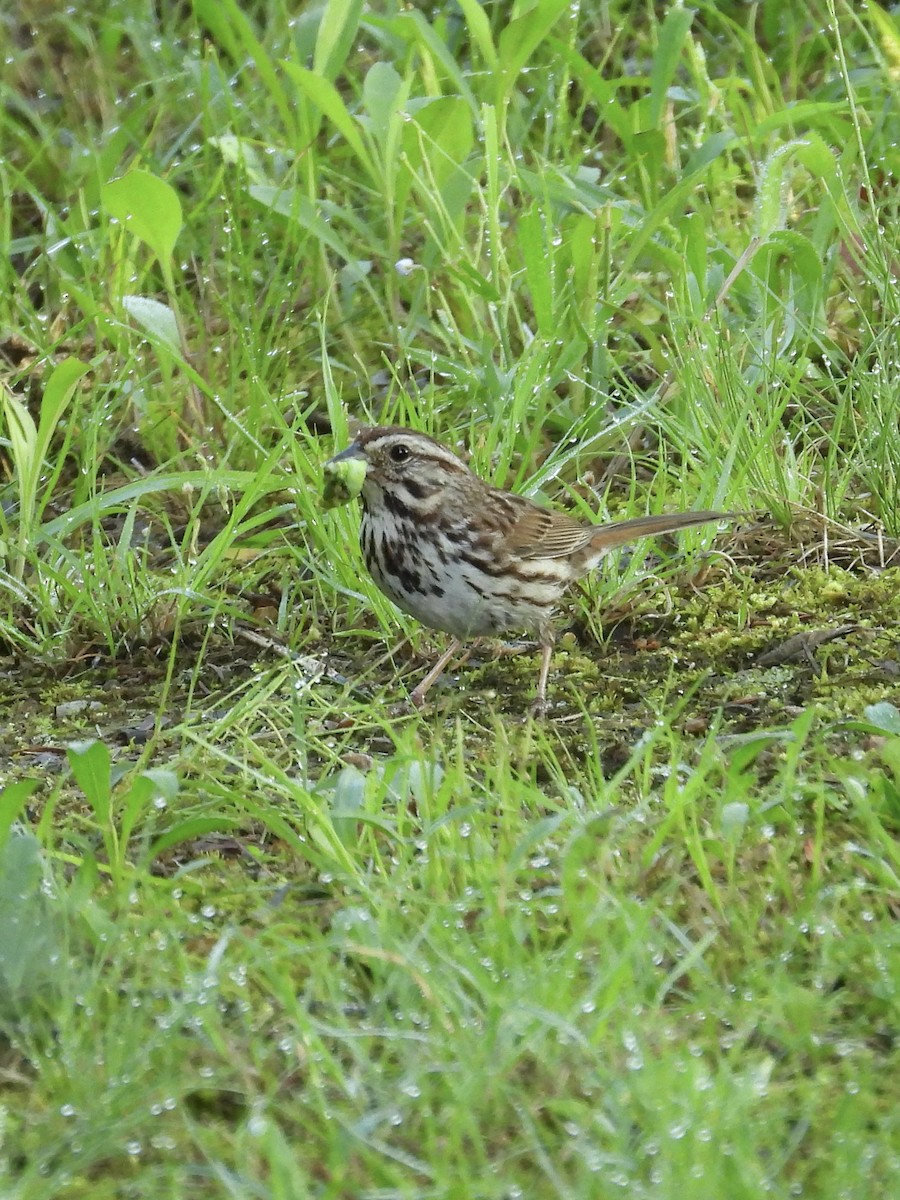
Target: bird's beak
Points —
{"points": [[344, 476], [353, 451]]}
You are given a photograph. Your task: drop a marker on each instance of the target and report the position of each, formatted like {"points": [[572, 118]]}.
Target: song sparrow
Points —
{"points": [[468, 558]]}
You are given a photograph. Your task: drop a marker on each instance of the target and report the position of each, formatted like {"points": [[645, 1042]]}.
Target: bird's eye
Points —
{"points": [[399, 452]]}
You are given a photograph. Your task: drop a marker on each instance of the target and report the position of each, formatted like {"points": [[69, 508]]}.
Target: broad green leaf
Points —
{"points": [[889, 35], [675, 29], [444, 131], [734, 819], [384, 94], [13, 799], [22, 432], [27, 931], [29, 445], [480, 32], [348, 804], [536, 256], [883, 715], [58, 392], [133, 805], [436, 142], [693, 227], [521, 37], [337, 31], [649, 148], [22, 435], [157, 318], [325, 96], [165, 783], [818, 158], [148, 207], [90, 763], [584, 255], [710, 150]]}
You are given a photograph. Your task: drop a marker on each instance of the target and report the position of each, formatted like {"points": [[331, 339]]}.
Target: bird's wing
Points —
{"points": [[536, 532], [541, 533]]}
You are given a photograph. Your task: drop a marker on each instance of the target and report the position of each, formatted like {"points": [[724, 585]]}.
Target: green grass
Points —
{"points": [[264, 932]]}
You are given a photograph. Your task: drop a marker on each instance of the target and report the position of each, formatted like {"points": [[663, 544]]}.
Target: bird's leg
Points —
{"points": [[417, 695], [540, 704]]}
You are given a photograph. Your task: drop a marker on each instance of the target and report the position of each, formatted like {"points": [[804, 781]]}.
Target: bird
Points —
{"points": [[463, 556]]}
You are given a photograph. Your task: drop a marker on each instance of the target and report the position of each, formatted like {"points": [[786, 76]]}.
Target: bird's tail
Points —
{"points": [[619, 533]]}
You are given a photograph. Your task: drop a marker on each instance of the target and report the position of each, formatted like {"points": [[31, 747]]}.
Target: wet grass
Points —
{"points": [[266, 931]]}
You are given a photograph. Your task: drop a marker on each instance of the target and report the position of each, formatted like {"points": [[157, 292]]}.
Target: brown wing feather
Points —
{"points": [[541, 533]]}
